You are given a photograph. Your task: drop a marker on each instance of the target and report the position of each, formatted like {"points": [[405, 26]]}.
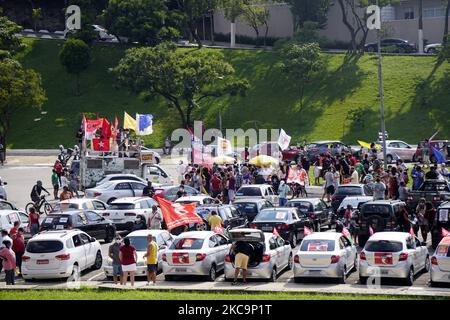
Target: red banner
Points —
{"points": [[177, 214], [100, 144], [106, 129], [94, 125]]}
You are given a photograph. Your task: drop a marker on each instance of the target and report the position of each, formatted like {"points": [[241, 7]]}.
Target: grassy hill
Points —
{"points": [[342, 105]]}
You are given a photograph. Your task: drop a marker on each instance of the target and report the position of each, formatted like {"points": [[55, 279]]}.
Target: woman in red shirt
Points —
{"points": [[128, 258], [33, 221], [19, 248]]}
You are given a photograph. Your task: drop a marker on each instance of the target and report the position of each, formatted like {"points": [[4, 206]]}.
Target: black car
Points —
{"points": [[441, 220], [319, 213], [231, 217], [381, 215], [397, 45], [315, 149], [251, 207], [88, 221], [345, 190], [287, 221]]}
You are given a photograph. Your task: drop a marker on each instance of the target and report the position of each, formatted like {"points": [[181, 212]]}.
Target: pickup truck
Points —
{"points": [[434, 191]]}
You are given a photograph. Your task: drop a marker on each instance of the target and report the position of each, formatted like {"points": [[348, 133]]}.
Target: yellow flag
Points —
{"points": [[129, 122]]}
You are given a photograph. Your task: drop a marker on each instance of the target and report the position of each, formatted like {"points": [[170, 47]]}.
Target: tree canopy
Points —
{"points": [[75, 57], [8, 39], [184, 78], [309, 10]]}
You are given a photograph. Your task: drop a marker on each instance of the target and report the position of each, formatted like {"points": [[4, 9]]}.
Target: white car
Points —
{"points": [[112, 190], [157, 175], [95, 205], [103, 34], [355, 202], [393, 255], [60, 254], [440, 263], [397, 149], [432, 48], [125, 211], [325, 255], [263, 191], [120, 176], [138, 239], [8, 217], [198, 200]]}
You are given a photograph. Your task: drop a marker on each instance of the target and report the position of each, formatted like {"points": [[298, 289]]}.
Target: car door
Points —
{"points": [[296, 222], [222, 247], [412, 250], [138, 188], [79, 251], [99, 207], [285, 252], [422, 252], [273, 197], [407, 152], [122, 190], [96, 225], [89, 249], [81, 222]]}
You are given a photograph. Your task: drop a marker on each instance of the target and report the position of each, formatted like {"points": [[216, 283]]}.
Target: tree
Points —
{"points": [[309, 10], [193, 11], [8, 39], [19, 88], [300, 63], [256, 14], [232, 9], [75, 57], [147, 22], [447, 16], [36, 14], [183, 78]]}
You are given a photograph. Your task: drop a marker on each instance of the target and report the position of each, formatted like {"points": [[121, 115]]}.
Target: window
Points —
{"points": [[121, 206], [151, 203], [77, 241], [46, 246], [273, 244], [23, 217], [81, 218], [122, 186], [137, 186], [84, 238], [249, 192], [403, 145], [317, 245], [384, 246], [88, 205], [6, 206], [433, 12], [99, 206], [280, 241], [213, 242], [268, 215], [408, 13], [187, 244], [410, 244], [92, 216], [166, 237], [69, 244], [222, 240]]}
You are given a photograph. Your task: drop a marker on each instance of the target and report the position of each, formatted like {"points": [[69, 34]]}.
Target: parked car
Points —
{"points": [[9, 217], [396, 149], [263, 191], [138, 239], [6, 205], [250, 207], [319, 213], [432, 48], [356, 202], [434, 191], [196, 253], [352, 190], [148, 155], [120, 176], [231, 217], [396, 45], [88, 221], [440, 263], [112, 190], [270, 255], [442, 220], [441, 145], [286, 221], [157, 175], [393, 255], [334, 147], [325, 255], [198, 200], [170, 192], [382, 215], [60, 254], [124, 212], [102, 33], [95, 205]]}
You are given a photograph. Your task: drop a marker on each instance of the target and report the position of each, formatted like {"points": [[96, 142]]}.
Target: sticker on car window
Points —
{"points": [[188, 243], [63, 220], [48, 220], [442, 251], [280, 215], [443, 215], [318, 246]]}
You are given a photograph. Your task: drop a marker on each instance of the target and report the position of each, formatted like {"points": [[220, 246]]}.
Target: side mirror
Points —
{"points": [[92, 239]]}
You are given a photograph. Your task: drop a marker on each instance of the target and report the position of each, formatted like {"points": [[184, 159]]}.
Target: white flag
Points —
{"points": [[223, 147], [144, 124], [284, 140]]}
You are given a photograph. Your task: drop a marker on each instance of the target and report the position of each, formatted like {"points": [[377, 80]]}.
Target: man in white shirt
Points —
{"points": [[2, 191], [154, 219], [181, 170]]}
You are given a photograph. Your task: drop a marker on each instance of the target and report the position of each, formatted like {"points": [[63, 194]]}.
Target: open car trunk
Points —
{"points": [[255, 257]]}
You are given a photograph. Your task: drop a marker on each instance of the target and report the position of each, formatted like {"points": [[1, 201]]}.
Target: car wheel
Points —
{"points": [[110, 200], [363, 280], [431, 51], [389, 158], [98, 261], [109, 235], [212, 274], [169, 278], [427, 265], [409, 280], [200, 227], [289, 265], [273, 275], [298, 280]]}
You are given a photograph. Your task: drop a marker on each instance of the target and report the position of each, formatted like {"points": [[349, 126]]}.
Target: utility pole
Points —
{"points": [[420, 26]]}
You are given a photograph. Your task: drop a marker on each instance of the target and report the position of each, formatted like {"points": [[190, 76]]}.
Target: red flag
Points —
{"points": [[177, 214], [218, 229], [106, 129], [411, 232], [275, 232], [306, 231], [345, 232], [445, 233], [370, 230], [100, 144], [91, 127]]}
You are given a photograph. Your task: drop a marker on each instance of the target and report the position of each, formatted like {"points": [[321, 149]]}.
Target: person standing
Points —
{"points": [[418, 177], [354, 177], [215, 185], [152, 259], [2, 154], [4, 237], [430, 215], [55, 184], [379, 189], [14, 230], [206, 180], [423, 221], [242, 251], [114, 255], [73, 183], [19, 248], [9, 261], [66, 194], [33, 221], [403, 191], [231, 186], [148, 190], [214, 220], [128, 259], [426, 152], [283, 191], [58, 167], [154, 219], [181, 169], [328, 185]]}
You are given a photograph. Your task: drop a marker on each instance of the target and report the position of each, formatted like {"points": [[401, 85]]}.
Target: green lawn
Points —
{"points": [[416, 98], [94, 294]]}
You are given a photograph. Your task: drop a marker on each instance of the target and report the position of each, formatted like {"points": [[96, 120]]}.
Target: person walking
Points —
{"points": [[33, 221], [58, 167], [403, 191], [328, 184], [8, 261], [114, 255], [154, 219], [2, 154], [242, 251], [73, 184], [215, 185], [18, 247], [231, 186], [430, 214], [128, 259], [152, 259], [55, 184], [214, 220], [379, 189], [283, 191]]}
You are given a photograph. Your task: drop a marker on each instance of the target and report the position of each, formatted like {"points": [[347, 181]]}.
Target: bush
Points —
{"points": [[241, 39]]}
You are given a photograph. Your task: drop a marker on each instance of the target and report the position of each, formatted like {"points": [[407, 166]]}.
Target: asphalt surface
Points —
{"points": [[21, 172]]}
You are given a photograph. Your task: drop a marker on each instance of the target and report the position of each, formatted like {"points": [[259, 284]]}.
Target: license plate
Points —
{"points": [[266, 228], [180, 269], [42, 261], [384, 272], [314, 271], [59, 227]]}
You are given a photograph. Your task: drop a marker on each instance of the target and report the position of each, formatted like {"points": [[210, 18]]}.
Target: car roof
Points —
{"points": [[196, 234], [250, 199], [310, 200], [326, 142], [388, 202], [193, 198], [260, 186], [55, 234], [112, 175], [144, 233], [351, 185], [66, 213], [6, 212], [130, 199], [78, 200], [389, 235], [323, 236]]}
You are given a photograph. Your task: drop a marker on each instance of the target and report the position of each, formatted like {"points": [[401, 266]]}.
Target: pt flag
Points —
{"points": [[100, 144], [144, 124], [177, 214], [114, 128], [129, 122], [275, 232], [92, 126], [284, 140]]}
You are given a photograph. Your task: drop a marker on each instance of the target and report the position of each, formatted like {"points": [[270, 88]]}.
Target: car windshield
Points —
{"points": [[432, 186], [105, 185], [68, 206], [5, 206], [121, 206], [272, 215], [187, 244], [303, 206], [317, 245], [384, 246], [349, 191], [249, 192], [44, 246], [376, 209], [140, 243], [247, 207], [54, 220]]}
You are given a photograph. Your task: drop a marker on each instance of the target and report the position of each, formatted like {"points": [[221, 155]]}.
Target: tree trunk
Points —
{"points": [[349, 26], [257, 36], [184, 122], [266, 33], [194, 34], [447, 16]]}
